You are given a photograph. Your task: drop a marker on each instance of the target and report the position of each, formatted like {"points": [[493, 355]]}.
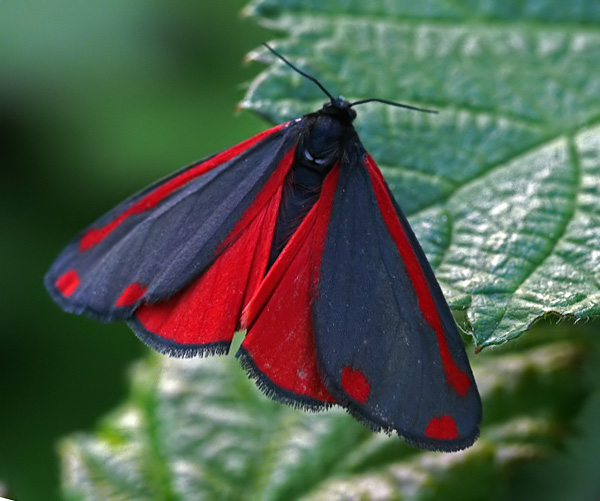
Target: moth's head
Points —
{"points": [[340, 109]]}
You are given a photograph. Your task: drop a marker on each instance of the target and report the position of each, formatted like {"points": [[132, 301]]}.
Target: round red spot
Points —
{"points": [[67, 282], [355, 384], [130, 295], [442, 428]]}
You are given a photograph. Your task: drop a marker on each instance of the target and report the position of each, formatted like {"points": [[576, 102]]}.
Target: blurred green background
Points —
{"points": [[98, 99]]}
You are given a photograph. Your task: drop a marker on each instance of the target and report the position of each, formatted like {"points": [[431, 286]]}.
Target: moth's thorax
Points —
{"points": [[321, 143]]}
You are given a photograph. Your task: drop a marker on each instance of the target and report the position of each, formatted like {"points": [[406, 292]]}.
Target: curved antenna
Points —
{"points": [[362, 101], [306, 75], [392, 103]]}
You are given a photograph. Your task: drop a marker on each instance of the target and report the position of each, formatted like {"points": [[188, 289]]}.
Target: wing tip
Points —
{"points": [[420, 441], [271, 390], [68, 303]]}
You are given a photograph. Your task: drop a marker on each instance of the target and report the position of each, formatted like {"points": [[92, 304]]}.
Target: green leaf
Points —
{"points": [[502, 185], [200, 429]]}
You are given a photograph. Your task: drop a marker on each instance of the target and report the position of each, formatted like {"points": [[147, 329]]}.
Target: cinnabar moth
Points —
{"points": [[295, 236]]}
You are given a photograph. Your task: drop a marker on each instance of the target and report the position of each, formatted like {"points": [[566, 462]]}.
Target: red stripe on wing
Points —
{"points": [[95, 235], [207, 311], [455, 377], [280, 340], [273, 184]]}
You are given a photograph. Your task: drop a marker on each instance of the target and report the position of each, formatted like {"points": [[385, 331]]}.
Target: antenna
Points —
{"points": [[306, 75], [392, 103], [362, 101]]}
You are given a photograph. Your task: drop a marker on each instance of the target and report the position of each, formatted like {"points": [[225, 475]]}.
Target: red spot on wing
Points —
{"points": [[208, 309], [278, 317], [95, 235], [67, 283], [455, 377], [441, 428], [132, 293], [355, 384]]}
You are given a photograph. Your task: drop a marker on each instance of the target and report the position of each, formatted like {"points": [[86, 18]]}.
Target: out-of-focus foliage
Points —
{"points": [[199, 429], [502, 186]]}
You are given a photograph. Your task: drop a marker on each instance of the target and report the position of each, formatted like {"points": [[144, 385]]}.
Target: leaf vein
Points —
{"points": [[576, 167]]}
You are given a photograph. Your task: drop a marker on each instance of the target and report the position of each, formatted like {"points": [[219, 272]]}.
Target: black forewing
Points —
{"points": [[370, 330], [167, 246]]}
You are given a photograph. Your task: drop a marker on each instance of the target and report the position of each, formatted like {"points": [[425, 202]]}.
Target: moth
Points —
{"points": [[294, 236]]}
